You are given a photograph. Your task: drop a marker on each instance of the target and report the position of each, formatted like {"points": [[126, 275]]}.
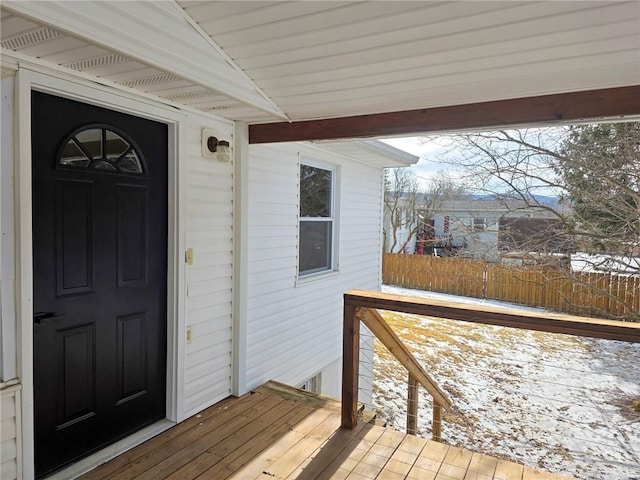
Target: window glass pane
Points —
{"points": [[130, 163], [315, 246], [91, 140], [115, 146], [315, 192], [101, 149], [102, 165], [72, 155]]}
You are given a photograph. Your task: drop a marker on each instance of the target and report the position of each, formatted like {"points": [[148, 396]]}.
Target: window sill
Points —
{"points": [[316, 277]]}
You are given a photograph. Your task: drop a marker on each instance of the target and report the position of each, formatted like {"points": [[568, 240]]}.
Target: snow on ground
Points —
{"points": [[556, 402]]}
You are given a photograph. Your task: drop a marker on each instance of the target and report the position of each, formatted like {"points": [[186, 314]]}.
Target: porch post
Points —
{"points": [[350, 364]]}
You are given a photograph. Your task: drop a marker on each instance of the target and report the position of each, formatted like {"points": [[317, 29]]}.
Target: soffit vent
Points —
{"points": [[228, 106], [24, 40], [97, 62], [153, 80], [193, 95]]}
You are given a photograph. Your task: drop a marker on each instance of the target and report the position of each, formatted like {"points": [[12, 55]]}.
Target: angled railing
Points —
{"points": [[361, 306], [417, 375]]}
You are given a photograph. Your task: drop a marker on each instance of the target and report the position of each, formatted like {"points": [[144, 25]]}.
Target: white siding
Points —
{"points": [[9, 396], [294, 329], [7, 254], [9, 435], [209, 205]]}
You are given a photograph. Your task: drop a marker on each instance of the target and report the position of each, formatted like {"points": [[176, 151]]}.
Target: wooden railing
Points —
{"points": [[362, 306], [417, 375]]}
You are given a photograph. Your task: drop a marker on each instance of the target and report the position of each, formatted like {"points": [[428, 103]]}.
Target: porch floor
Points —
{"points": [[275, 433]]}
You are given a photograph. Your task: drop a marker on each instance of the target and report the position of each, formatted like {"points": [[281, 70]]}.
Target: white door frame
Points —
{"points": [[81, 90]]}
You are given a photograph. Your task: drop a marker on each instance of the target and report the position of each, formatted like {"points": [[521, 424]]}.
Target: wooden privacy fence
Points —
{"points": [[588, 294]]}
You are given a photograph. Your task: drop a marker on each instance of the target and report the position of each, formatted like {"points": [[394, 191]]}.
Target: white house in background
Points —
{"points": [[471, 226], [160, 247]]}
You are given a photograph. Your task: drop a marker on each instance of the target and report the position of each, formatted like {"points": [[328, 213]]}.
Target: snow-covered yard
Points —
{"points": [[556, 402]]}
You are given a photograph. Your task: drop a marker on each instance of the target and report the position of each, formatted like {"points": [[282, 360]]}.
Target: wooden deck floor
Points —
{"points": [[271, 435]]}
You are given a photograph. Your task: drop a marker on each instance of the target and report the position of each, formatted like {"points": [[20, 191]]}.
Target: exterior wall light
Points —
{"points": [[214, 148]]}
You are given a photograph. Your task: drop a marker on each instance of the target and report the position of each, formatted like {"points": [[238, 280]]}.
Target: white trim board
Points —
{"points": [[28, 80]]}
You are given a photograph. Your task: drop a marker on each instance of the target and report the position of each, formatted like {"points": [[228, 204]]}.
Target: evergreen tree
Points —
{"points": [[599, 166]]}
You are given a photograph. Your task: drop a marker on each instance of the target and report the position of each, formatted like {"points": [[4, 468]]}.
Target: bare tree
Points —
{"points": [[400, 200], [408, 204], [584, 180]]}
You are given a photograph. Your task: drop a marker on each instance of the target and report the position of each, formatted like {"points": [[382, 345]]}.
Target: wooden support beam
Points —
{"points": [[544, 109], [350, 366], [412, 405]]}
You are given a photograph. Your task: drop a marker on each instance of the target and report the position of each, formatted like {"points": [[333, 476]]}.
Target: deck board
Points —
{"points": [[275, 434]]}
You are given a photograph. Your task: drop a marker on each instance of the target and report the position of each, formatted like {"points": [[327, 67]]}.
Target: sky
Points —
{"points": [[428, 149], [438, 155]]}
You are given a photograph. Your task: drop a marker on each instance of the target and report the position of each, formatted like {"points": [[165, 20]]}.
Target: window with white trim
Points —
{"points": [[479, 225], [316, 224]]}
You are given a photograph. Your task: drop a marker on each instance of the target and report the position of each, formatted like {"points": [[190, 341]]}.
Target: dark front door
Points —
{"points": [[100, 277]]}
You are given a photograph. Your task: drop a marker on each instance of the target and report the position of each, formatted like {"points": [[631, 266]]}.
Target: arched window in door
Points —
{"points": [[98, 147]]}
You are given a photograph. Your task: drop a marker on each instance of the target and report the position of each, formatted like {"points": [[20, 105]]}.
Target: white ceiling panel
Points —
{"points": [[333, 59], [259, 60]]}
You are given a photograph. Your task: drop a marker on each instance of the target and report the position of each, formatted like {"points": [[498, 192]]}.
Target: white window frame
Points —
{"points": [[478, 224], [332, 268]]}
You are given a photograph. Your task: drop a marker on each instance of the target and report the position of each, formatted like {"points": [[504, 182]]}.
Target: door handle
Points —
{"points": [[39, 317]]}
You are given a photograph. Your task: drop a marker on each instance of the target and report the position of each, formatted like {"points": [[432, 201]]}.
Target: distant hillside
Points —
{"points": [[548, 200]]}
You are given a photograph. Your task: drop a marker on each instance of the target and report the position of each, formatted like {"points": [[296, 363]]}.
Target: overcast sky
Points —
{"points": [[432, 150], [429, 149]]}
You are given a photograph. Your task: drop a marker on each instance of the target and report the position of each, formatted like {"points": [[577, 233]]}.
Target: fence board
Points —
{"points": [[588, 293]]}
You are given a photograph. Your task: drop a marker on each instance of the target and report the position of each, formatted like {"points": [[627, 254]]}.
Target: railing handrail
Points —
{"points": [[383, 332], [484, 314], [494, 315]]}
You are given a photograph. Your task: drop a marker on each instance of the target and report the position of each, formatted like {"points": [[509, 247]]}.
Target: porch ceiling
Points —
{"points": [[316, 59]]}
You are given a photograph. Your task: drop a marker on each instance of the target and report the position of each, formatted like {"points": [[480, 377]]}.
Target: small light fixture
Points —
{"points": [[213, 147], [223, 153], [212, 144]]}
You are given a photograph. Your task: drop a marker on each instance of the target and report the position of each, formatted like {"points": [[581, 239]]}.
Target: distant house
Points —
{"points": [[483, 228]]}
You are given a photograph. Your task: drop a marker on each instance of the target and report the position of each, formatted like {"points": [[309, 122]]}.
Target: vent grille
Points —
{"points": [[97, 62], [24, 40], [228, 106], [153, 80], [193, 95]]}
